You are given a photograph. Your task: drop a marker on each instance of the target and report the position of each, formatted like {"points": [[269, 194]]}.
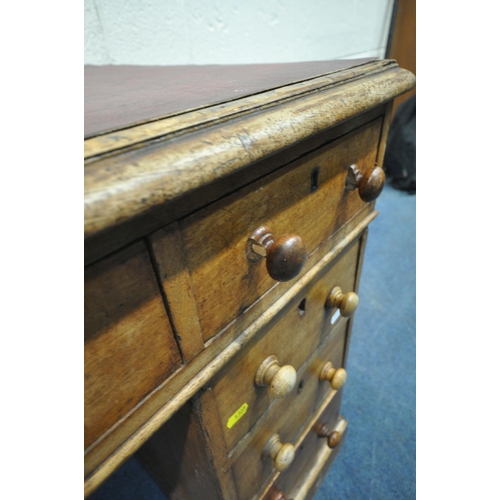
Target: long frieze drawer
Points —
{"points": [[238, 248], [253, 466], [281, 350], [129, 345]]}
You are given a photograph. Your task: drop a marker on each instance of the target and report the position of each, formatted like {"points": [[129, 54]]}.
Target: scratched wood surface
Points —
{"points": [[129, 345], [224, 282], [292, 339]]}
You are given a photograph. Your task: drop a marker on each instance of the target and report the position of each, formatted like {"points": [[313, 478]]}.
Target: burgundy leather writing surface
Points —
{"points": [[120, 96]]}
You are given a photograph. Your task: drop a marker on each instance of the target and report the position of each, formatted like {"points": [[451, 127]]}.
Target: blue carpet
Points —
{"points": [[377, 461]]}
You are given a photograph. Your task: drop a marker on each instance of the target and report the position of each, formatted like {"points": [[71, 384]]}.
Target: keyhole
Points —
{"points": [[300, 387], [302, 307], [314, 179]]}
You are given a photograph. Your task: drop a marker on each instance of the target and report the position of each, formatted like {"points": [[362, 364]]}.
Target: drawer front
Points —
{"points": [[310, 452], [250, 470], [292, 340], [129, 345], [306, 198]]}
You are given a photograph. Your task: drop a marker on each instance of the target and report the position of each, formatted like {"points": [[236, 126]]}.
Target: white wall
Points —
{"points": [[230, 31]]}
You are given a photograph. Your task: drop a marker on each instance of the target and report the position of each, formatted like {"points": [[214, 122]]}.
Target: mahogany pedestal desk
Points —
{"points": [[226, 215]]}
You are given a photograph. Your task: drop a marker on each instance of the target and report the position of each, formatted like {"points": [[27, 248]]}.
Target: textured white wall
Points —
{"points": [[231, 32]]}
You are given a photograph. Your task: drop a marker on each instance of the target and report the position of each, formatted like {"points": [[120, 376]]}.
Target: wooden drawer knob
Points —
{"points": [[275, 494], [369, 187], [281, 454], [284, 256], [346, 302], [332, 437], [336, 376], [280, 379]]}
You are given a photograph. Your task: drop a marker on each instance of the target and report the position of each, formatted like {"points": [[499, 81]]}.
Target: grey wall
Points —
{"points": [[225, 32]]}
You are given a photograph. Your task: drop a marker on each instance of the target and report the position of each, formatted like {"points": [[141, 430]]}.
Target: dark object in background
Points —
{"points": [[400, 153]]}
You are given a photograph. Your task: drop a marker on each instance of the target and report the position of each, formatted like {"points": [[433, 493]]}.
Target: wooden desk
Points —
{"points": [[226, 215]]}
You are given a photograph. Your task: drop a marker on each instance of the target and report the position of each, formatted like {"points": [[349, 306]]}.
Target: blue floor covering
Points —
{"points": [[378, 458], [377, 461]]}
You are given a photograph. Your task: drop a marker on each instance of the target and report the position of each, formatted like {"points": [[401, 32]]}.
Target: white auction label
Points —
{"points": [[335, 316]]}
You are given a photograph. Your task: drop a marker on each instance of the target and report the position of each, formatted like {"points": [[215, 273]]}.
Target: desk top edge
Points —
{"points": [[121, 96], [133, 175]]}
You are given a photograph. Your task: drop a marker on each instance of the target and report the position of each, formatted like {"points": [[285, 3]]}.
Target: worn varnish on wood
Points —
{"points": [[186, 292], [302, 480], [292, 339], [224, 281], [130, 348], [125, 193], [286, 419]]}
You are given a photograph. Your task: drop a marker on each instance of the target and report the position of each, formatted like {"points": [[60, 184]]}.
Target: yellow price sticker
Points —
{"points": [[239, 413]]}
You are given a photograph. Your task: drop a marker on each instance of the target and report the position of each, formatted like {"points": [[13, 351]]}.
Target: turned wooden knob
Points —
{"points": [[370, 186], [332, 437], [281, 454], [280, 379], [284, 256], [346, 302], [336, 376], [275, 494]]}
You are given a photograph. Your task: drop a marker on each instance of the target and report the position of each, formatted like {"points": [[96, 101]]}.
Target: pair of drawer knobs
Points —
{"points": [[282, 455], [285, 453], [285, 256], [281, 379]]}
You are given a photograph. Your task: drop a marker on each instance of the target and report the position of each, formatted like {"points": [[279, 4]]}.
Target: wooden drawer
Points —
{"points": [[292, 340], [305, 198], [129, 345], [250, 470], [312, 455]]}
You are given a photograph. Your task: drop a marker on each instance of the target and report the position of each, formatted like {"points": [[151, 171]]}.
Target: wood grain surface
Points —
{"points": [[102, 244], [174, 277], [303, 435], [224, 282], [292, 339], [186, 455], [362, 248], [311, 481], [308, 451], [147, 183], [251, 471], [129, 345], [118, 444], [175, 183], [385, 132], [404, 44]]}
